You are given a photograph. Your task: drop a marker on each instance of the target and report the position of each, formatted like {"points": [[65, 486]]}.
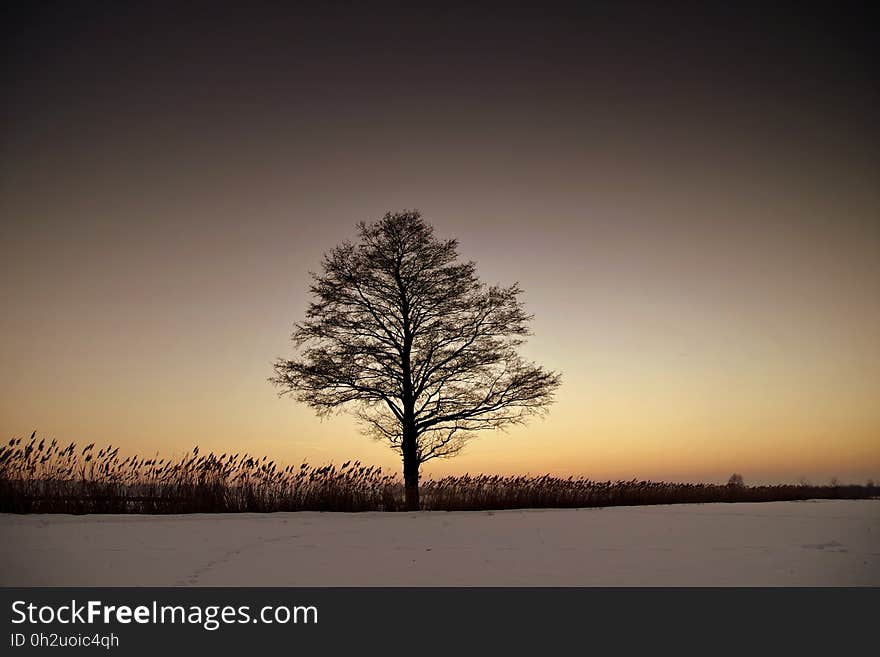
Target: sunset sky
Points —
{"points": [[689, 199]]}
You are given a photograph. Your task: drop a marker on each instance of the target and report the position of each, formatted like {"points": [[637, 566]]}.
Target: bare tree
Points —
{"points": [[406, 336]]}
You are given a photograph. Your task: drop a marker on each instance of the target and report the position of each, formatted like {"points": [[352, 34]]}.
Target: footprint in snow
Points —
{"points": [[831, 546]]}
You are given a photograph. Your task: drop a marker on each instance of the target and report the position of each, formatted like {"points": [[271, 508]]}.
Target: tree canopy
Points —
{"points": [[409, 339]]}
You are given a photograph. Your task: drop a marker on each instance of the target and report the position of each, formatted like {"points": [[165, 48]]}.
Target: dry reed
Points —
{"points": [[39, 476]]}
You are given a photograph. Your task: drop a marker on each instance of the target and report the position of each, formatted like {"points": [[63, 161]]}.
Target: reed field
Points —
{"points": [[40, 476]]}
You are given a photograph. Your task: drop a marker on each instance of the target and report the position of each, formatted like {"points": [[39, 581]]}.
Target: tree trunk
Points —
{"points": [[411, 484], [410, 470]]}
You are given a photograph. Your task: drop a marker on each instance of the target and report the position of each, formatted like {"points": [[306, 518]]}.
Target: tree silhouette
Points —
{"points": [[406, 336]]}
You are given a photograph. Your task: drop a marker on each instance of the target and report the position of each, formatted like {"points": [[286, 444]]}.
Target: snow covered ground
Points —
{"points": [[771, 544]]}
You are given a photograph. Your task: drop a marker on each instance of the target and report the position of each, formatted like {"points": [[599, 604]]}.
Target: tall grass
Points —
{"points": [[45, 477], [37, 476]]}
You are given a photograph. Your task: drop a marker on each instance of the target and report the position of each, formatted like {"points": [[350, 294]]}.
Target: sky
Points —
{"points": [[688, 196]]}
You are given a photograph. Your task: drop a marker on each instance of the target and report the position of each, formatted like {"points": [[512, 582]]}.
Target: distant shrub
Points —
{"points": [[736, 481]]}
